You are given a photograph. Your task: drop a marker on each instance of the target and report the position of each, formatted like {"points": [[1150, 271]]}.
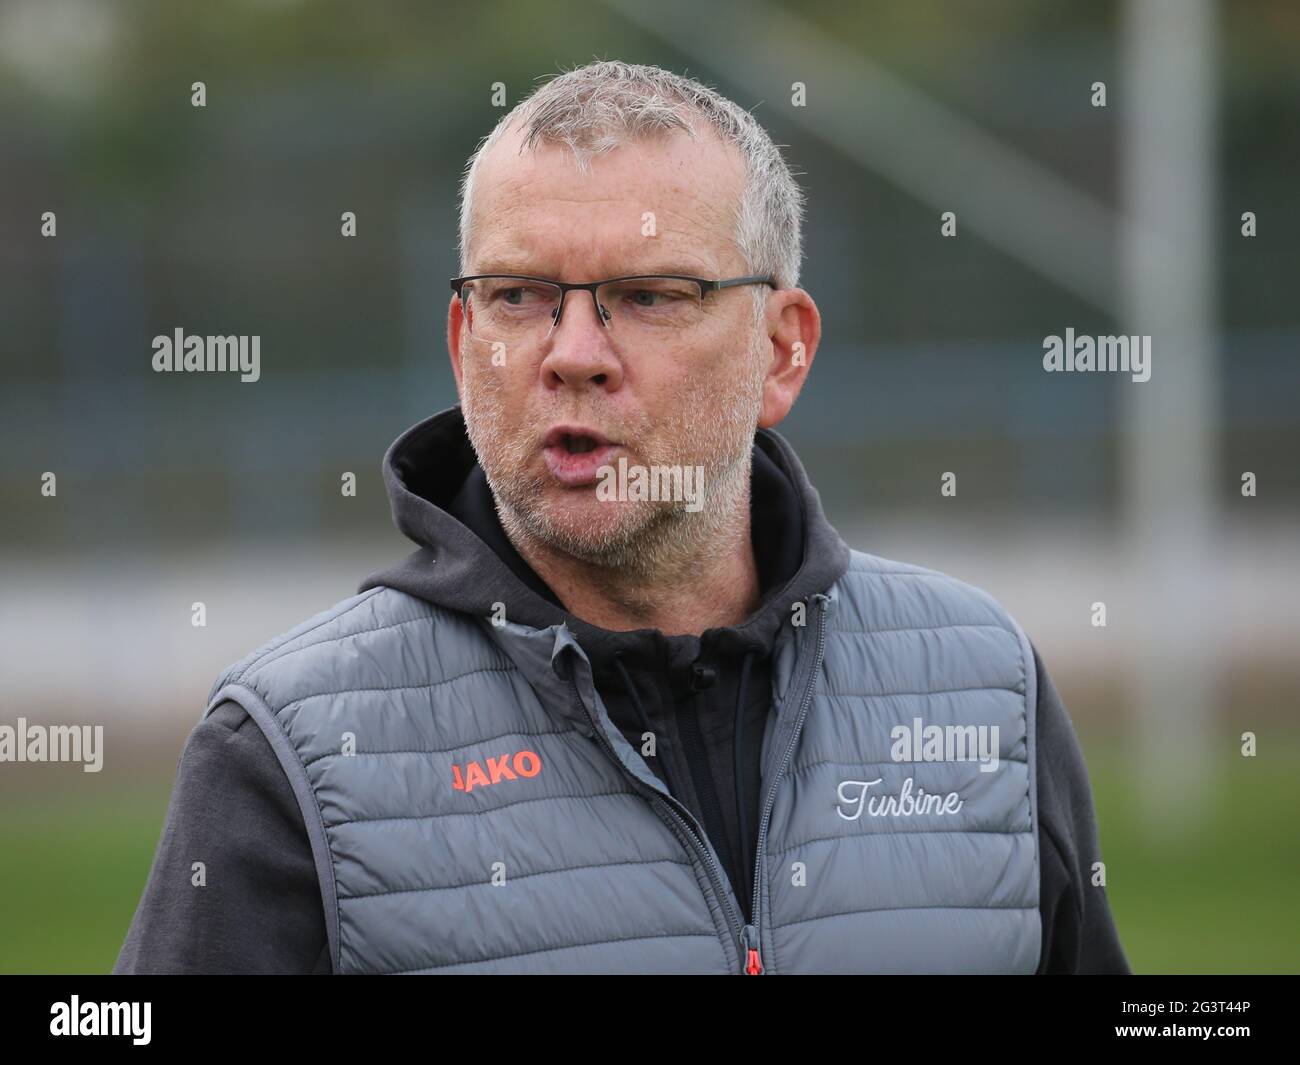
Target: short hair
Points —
{"points": [[594, 108]]}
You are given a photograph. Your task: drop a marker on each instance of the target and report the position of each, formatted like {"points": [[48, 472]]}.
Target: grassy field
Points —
{"points": [[1222, 901]]}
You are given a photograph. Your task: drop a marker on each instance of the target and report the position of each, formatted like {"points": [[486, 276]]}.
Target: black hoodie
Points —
{"points": [[694, 705], [700, 700]]}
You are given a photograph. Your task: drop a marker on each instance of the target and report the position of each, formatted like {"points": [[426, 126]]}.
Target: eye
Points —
{"points": [[517, 295], [656, 294]]}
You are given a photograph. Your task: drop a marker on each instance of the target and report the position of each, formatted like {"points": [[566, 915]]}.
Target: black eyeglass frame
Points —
{"points": [[565, 287]]}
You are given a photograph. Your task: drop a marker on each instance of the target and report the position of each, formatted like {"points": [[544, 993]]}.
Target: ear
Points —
{"points": [[794, 328], [455, 320]]}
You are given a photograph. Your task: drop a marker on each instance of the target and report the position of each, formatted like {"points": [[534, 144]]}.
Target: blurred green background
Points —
{"points": [[226, 220], [1222, 901]]}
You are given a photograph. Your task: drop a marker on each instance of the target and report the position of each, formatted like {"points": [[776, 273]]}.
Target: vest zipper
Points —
{"points": [[683, 818], [746, 935], [697, 764], [753, 964], [753, 939]]}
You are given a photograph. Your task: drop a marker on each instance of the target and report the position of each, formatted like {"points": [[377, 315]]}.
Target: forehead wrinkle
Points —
{"points": [[692, 215], [679, 236], [629, 258], [713, 215]]}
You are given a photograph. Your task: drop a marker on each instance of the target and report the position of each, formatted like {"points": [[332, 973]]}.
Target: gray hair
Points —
{"points": [[594, 108]]}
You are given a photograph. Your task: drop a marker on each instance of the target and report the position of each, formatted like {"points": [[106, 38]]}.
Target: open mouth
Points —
{"points": [[574, 439], [575, 454], [578, 445]]}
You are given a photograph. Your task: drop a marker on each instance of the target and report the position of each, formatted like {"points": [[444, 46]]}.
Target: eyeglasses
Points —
{"points": [[513, 308]]}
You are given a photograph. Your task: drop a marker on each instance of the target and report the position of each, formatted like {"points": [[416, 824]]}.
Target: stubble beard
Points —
{"points": [[647, 540]]}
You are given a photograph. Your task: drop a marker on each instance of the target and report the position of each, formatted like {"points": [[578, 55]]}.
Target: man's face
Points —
{"points": [[689, 399]]}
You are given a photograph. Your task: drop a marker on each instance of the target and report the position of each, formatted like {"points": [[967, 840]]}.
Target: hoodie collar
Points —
{"points": [[464, 562]]}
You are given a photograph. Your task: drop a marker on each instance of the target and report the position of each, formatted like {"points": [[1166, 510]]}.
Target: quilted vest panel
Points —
{"points": [[472, 808]]}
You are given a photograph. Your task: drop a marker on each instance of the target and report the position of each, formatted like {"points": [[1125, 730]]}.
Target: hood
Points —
{"points": [[464, 562]]}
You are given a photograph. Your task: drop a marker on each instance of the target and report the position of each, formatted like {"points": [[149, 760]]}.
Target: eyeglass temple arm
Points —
{"points": [[754, 279]]}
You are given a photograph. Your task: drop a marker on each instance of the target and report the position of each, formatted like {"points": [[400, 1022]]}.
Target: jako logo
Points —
{"points": [[101, 1018], [507, 767]]}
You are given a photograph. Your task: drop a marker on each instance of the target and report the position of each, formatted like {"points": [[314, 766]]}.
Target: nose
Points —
{"points": [[580, 349]]}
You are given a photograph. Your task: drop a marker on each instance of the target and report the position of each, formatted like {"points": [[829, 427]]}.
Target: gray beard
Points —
{"points": [[671, 540], [666, 540]]}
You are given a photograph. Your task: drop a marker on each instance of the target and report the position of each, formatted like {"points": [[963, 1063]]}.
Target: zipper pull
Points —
{"points": [[749, 941]]}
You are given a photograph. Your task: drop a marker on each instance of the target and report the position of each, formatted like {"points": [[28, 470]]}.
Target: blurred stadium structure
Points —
{"points": [[1073, 489]]}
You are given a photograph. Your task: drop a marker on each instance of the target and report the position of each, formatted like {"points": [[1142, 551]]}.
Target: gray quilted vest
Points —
{"points": [[472, 808]]}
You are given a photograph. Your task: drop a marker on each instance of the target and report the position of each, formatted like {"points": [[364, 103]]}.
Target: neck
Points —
{"points": [[711, 583]]}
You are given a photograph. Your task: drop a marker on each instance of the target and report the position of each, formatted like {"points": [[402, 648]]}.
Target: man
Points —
{"points": [[633, 706]]}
